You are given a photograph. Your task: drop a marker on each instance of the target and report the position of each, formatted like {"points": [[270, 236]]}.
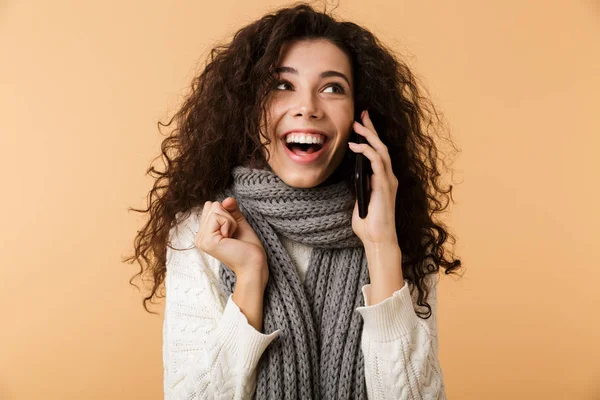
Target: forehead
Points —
{"points": [[312, 56]]}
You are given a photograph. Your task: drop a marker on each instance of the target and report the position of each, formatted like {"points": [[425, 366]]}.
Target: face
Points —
{"points": [[311, 103]]}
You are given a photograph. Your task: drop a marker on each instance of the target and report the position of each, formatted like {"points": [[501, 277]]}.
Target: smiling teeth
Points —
{"points": [[304, 138]]}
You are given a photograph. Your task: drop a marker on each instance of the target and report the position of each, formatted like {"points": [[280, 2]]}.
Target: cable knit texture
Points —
{"points": [[210, 351], [317, 355]]}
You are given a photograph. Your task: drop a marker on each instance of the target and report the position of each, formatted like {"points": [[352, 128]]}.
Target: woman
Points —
{"points": [[275, 286]]}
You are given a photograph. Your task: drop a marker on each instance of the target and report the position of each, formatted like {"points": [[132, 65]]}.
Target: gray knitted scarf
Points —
{"points": [[317, 355]]}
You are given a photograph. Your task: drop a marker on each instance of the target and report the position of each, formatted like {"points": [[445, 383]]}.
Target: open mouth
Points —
{"points": [[303, 148], [306, 153]]}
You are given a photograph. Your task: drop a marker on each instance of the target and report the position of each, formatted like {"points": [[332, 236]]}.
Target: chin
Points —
{"points": [[305, 179], [300, 181]]}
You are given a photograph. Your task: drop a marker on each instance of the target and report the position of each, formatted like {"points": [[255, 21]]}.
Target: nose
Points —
{"points": [[307, 106]]}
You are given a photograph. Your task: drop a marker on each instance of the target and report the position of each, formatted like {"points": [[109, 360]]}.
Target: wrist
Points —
{"points": [[380, 250], [385, 270], [253, 278], [248, 296]]}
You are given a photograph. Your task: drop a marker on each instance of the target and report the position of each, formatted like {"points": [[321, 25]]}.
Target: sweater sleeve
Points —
{"points": [[401, 349], [209, 348]]}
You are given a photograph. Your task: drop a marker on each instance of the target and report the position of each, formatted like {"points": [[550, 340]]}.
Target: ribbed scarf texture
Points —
{"points": [[317, 355]]}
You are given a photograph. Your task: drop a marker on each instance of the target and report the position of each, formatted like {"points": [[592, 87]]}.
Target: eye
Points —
{"points": [[282, 83], [339, 87]]}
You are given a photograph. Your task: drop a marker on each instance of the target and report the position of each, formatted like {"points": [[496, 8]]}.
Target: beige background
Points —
{"points": [[82, 87]]}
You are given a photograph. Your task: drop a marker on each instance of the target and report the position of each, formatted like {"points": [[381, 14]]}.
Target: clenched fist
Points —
{"points": [[225, 234]]}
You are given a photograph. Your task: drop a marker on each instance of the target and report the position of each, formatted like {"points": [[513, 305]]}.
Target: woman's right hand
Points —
{"points": [[225, 234]]}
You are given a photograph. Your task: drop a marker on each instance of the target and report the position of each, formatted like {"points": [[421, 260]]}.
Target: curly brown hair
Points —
{"points": [[218, 128]]}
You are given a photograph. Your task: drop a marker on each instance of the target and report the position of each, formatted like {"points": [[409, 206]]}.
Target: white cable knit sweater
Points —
{"points": [[210, 351]]}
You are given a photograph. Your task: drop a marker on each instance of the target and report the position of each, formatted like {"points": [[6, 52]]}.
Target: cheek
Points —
{"points": [[276, 106], [275, 113], [344, 120], [268, 130], [345, 128]]}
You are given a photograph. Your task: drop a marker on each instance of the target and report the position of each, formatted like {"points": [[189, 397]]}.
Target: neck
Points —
{"points": [[336, 176]]}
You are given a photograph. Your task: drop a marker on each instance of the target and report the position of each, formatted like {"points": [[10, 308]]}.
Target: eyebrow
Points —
{"points": [[324, 74]]}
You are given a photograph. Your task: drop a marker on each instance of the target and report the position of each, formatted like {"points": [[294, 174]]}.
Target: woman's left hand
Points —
{"points": [[379, 226]]}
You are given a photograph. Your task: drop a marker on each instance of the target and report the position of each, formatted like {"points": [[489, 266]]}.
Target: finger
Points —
{"points": [[214, 225], [366, 121], [377, 164], [232, 224], [218, 209], [373, 139], [368, 131], [385, 154], [225, 229], [205, 211], [230, 204]]}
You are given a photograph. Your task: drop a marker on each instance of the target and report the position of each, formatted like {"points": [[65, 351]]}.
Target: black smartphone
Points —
{"points": [[362, 178]]}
